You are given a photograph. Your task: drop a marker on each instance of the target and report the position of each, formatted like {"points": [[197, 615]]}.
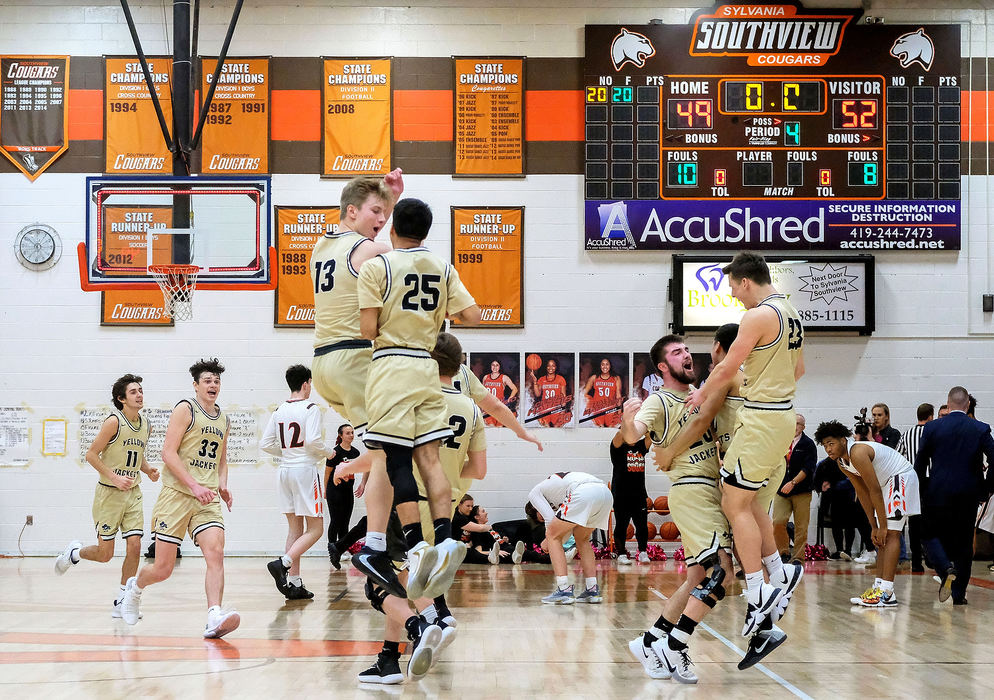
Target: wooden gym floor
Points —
{"points": [[57, 639]]}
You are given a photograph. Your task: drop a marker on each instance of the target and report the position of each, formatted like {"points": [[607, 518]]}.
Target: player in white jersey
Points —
{"points": [[887, 487], [572, 503], [117, 453], [294, 435]]}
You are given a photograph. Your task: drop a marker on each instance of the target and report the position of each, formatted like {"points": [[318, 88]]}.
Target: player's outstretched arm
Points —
{"points": [[693, 430], [269, 443], [631, 430], [395, 181], [502, 414], [471, 315], [106, 433], [475, 466]]}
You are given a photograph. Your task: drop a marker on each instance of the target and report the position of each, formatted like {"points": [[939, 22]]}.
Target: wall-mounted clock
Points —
{"points": [[38, 247]]}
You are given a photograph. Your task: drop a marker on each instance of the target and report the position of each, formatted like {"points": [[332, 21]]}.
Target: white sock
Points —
{"points": [[590, 582], [878, 582], [774, 566], [377, 541], [754, 580], [562, 582], [886, 586], [295, 580], [138, 589], [430, 613], [287, 562]]}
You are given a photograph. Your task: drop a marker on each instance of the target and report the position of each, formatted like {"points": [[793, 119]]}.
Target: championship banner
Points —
{"points": [[488, 254], [34, 131], [297, 230], [133, 307], [236, 129], [490, 117], [125, 236], [358, 129], [134, 142]]}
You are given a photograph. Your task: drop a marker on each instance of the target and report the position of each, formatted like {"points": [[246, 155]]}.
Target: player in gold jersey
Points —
{"points": [[194, 484], [769, 348], [404, 298], [118, 454]]}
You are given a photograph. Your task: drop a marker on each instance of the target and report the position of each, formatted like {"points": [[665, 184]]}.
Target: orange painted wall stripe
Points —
{"points": [[974, 115], [554, 115], [85, 111], [422, 115], [296, 115]]}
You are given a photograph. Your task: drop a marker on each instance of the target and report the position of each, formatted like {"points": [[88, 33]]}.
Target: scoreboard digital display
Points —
{"points": [[769, 126]]}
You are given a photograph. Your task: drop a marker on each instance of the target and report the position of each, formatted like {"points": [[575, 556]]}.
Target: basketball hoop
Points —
{"points": [[177, 283]]}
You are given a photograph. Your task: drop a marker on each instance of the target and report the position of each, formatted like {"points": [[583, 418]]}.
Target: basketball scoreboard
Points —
{"points": [[769, 127]]}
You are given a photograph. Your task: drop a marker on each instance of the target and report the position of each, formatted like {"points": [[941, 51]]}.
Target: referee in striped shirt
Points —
{"points": [[908, 447]]}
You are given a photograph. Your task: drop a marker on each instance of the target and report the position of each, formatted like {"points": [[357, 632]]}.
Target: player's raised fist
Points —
{"points": [[395, 181]]}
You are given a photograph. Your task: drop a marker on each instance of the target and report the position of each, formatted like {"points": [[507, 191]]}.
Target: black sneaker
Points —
{"points": [[386, 670], [335, 556], [425, 638], [945, 585], [298, 592], [760, 646], [278, 572], [379, 569]]}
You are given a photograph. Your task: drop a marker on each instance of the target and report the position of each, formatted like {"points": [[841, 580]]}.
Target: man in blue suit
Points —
{"points": [[956, 446]]}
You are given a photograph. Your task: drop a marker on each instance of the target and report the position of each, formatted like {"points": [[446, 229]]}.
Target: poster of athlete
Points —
{"points": [[500, 374], [603, 388], [548, 389]]}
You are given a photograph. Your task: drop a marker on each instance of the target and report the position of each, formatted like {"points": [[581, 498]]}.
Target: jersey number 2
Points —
{"points": [[458, 425], [428, 286]]}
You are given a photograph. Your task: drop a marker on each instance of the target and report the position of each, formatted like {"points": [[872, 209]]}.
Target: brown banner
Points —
{"points": [[124, 247], [34, 130], [487, 251], [490, 117], [236, 132], [357, 132], [297, 230], [133, 307], [134, 142]]}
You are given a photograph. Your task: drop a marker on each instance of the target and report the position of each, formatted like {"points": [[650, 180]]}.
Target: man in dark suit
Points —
{"points": [[794, 495], [955, 445]]}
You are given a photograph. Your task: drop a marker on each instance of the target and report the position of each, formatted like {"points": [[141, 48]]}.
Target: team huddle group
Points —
{"points": [[382, 362]]}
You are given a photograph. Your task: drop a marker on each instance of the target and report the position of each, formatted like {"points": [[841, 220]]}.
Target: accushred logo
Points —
{"points": [[768, 35]]}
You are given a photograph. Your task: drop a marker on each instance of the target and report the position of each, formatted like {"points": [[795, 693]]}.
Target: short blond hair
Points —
{"points": [[358, 189]]}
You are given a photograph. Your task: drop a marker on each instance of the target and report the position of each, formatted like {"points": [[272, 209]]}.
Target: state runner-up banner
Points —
{"points": [[297, 230], [487, 252], [236, 128], [490, 117], [134, 142], [357, 106], [33, 126]]}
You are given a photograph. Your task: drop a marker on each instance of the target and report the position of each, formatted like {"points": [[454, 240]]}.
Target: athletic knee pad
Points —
{"points": [[710, 591], [400, 470], [375, 595]]}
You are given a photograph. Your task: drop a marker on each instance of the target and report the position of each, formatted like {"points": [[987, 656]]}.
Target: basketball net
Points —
{"points": [[177, 282]]}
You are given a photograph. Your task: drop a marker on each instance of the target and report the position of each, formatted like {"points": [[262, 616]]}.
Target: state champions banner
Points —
{"points": [[488, 254], [133, 141], [34, 130], [236, 128], [297, 230], [357, 131], [489, 117]]}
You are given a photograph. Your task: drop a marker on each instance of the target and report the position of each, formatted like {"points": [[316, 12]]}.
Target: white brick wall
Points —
{"points": [[931, 333]]}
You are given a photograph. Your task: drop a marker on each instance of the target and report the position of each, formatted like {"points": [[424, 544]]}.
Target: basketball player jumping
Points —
{"points": [[193, 486], [769, 349], [118, 455]]}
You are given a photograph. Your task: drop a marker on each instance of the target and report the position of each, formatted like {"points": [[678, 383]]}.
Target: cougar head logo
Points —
{"points": [[630, 47], [914, 46], [710, 277]]}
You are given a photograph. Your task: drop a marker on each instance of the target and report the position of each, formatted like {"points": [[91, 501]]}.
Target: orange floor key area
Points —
{"points": [[57, 639]]}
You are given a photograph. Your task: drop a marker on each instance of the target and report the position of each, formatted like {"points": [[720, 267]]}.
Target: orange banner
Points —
{"points": [[134, 142], [133, 307], [297, 230], [487, 251], [489, 116], [356, 102], [124, 246], [236, 132]]}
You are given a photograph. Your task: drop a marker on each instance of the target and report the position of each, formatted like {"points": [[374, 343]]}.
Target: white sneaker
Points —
{"points": [[64, 561], [494, 555], [131, 601], [115, 611], [570, 554], [762, 602], [518, 553], [867, 559], [678, 663], [624, 560], [654, 668], [643, 557], [347, 556], [420, 560], [220, 622], [788, 580], [450, 556]]}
